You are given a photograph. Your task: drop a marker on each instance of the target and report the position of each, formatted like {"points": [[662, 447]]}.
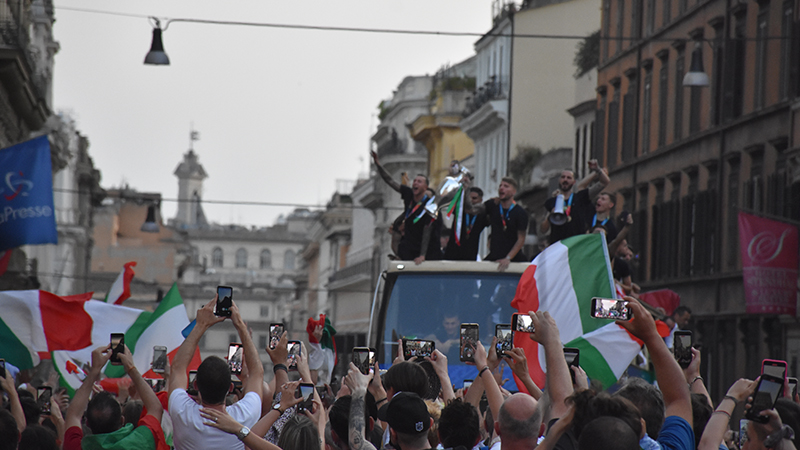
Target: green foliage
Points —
{"points": [[383, 110], [587, 57], [452, 84], [521, 167]]}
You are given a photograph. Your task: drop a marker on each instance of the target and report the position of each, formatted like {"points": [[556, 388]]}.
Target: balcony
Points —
{"points": [[491, 90], [350, 275]]}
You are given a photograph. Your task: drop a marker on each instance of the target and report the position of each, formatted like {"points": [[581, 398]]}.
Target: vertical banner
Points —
{"points": [[27, 215], [769, 265]]}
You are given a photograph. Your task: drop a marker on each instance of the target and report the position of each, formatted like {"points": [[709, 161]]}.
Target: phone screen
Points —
{"points": [[294, 353], [774, 368], [413, 348], [3, 368], [766, 395], [571, 355], [362, 359], [159, 359], [43, 395], [306, 392], [609, 308], [467, 385], [275, 332], [522, 323], [504, 341], [117, 347], [235, 358], [793, 386], [682, 348], [469, 341], [224, 301]]}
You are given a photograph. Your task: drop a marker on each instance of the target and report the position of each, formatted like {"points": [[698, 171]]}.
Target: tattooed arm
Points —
{"points": [[357, 382], [384, 174]]}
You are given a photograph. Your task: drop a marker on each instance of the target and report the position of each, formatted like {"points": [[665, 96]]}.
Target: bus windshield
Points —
{"points": [[433, 305]]}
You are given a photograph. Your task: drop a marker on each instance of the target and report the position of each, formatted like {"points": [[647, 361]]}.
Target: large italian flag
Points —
{"points": [[562, 280], [38, 324]]}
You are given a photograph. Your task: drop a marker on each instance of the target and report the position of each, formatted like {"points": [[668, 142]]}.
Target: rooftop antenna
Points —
{"points": [[193, 136]]}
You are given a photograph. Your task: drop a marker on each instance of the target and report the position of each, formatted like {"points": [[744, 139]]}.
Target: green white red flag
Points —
{"points": [[121, 289], [562, 280]]}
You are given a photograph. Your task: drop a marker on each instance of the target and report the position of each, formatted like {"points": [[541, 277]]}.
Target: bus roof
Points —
{"points": [[453, 266]]}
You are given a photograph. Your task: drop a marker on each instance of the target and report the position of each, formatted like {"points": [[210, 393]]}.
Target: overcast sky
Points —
{"points": [[282, 114]]}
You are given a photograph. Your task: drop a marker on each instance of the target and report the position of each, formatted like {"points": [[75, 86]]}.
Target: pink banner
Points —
{"points": [[769, 265]]}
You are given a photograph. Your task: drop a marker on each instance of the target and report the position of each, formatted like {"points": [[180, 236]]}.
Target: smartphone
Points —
{"points": [[682, 347], [767, 393], [743, 438], [522, 323], [469, 341], [117, 347], [192, 388], [43, 395], [275, 332], [413, 348], [774, 367], [467, 385], [224, 301], [156, 384], [792, 386], [294, 353], [159, 359], [306, 392], [235, 357], [610, 308], [572, 355], [2, 367], [364, 359], [505, 343]]}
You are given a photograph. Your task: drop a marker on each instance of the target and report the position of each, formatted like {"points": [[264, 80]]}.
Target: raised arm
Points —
{"points": [[669, 374], [149, 398], [255, 377], [519, 365], [13, 400], [357, 382], [178, 375], [439, 362], [80, 400], [493, 393], [384, 174], [718, 423], [558, 380], [601, 176]]}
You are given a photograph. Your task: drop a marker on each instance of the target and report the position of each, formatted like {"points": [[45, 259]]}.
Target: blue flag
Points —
{"points": [[27, 215]]}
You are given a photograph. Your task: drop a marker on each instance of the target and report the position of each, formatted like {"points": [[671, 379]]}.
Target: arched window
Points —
{"points": [[216, 257], [266, 259], [288, 260], [241, 258]]}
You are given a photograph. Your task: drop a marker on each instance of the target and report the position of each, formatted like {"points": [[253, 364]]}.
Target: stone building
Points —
{"points": [[687, 160]]}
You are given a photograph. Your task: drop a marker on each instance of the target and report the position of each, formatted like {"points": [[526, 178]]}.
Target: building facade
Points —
{"points": [[687, 160]]}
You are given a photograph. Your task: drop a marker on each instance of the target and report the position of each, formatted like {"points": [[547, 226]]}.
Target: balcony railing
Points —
{"points": [[362, 268], [491, 90], [15, 23]]}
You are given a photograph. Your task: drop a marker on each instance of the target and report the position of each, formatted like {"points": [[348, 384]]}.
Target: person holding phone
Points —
{"points": [[7, 383], [213, 384], [103, 414]]}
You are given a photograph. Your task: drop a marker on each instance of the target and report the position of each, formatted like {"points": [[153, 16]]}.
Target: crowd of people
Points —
{"points": [[411, 406]]}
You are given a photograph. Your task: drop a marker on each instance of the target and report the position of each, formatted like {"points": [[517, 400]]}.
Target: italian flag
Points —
{"points": [[562, 280], [121, 289]]}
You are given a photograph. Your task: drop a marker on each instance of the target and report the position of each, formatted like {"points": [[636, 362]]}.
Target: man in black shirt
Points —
{"points": [[416, 232], [578, 204], [509, 223], [473, 223]]}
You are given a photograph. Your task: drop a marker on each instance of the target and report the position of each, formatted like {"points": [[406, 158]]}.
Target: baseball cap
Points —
{"points": [[407, 413]]}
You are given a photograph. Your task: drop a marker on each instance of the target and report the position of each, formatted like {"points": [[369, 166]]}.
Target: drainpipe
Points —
{"points": [[511, 17]]}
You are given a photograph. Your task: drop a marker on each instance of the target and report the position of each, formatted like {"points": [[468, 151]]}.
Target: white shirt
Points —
{"points": [[189, 431]]}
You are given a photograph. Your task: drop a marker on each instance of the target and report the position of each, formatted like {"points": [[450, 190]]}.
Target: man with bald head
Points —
{"points": [[518, 423]]}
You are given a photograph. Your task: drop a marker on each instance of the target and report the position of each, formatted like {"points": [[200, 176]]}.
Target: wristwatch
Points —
{"points": [[772, 441], [277, 407], [241, 434]]}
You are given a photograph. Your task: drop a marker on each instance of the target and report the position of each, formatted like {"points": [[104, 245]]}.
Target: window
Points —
{"points": [[262, 341], [695, 93], [786, 48], [682, 5], [620, 22], [647, 106], [735, 94], [663, 96], [667, 12], [718, 52], [636, 12], [288, 260], [754, 187], [613, 121], [233, 337], [241, 258], [606, 27], [679, 66], [265, 311], [266, 259], [733, 206], [651, 17], [599, 133], [759, 89], [629, 119], [216, 257]]}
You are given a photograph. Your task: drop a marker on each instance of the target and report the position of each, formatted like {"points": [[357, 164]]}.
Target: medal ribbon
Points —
{"points": [[412, 211], [568, 204], [505, 217], [594, 221]]}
